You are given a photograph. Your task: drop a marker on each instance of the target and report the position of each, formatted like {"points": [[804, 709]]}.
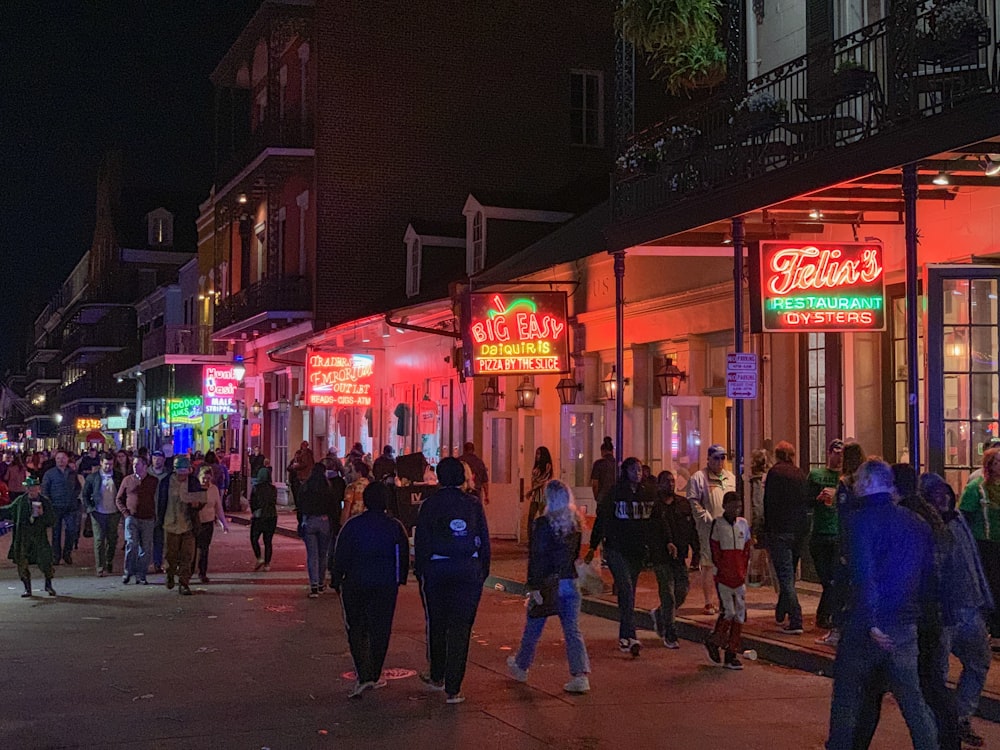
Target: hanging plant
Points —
{"points": [[679, 37]]}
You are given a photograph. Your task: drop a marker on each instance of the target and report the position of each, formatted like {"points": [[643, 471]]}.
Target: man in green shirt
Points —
{"points": [[824, 546]]}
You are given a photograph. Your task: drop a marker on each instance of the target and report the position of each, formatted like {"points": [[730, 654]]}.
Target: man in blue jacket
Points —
{"points": [[62, 488], [371, 562], [452, 561]]}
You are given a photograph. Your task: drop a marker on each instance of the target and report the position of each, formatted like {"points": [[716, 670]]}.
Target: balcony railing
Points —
{"points": [[281, 294], [179, 339], [275, 132], [879, 78]]}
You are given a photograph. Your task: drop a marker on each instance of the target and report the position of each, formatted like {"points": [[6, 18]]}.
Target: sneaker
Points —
{"points": [[579, 685], [634, 647], [624, 645], [321, 588], [671, 643], [379, 684], [359, 688], [713, 650], [733, 662], [456, 698], [144, 582], [830, 639], [267, 568], [26, 595], [967, 735], [710, 609], [260, 564], [314, 592], [430, 682], [170, 581], [126, 578], [521, 675], [185, 590], [101, 573], [791, 630]]}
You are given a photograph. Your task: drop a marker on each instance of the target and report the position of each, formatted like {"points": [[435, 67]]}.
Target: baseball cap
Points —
{"points": [[716, 451], [161, 454], [182, 462], [835, 444], [31, 482]]}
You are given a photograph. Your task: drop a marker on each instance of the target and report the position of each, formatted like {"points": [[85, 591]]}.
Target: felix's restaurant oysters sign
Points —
{"points": [[822, 286], [517, 333]]}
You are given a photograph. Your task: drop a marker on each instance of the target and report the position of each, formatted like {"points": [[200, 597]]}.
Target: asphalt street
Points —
{"points": [[250, 662]]}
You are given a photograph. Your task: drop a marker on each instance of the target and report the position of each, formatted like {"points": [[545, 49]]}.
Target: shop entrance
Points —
{"points": [[501, 453], [687, 433], [582, 431], [963, 392]]}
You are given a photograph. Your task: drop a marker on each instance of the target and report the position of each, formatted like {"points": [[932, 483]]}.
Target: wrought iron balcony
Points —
{"points": [[882, 79], [287, 132], [179, 339], [273, 300]]}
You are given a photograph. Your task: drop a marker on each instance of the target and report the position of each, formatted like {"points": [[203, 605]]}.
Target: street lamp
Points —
{"points": [[670, 377], [125, 411], [526, 393], [491, 395], [239, 369], [611, 384], [567, 388], [256, 409]]}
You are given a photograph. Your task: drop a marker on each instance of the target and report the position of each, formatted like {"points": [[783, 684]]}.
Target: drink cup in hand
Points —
{"points": [[36, 508], [827, 496]]}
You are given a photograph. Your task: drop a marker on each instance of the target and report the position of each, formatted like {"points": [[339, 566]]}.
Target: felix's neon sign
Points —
{"points": [[822, 287], [523, 335]]}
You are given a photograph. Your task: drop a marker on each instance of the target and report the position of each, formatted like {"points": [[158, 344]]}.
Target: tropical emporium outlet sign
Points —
{"points": [[219, 384], [823, 286], [516, 333], [335, 379]]}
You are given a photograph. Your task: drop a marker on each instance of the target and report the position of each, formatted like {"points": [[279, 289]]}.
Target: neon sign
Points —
{"points": [[339, 379], [516, 334], [824, 286], [219, 384], [186, 410], [87, 424]]}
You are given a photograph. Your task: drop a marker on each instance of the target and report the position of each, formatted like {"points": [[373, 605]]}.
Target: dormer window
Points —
{"points": [[478, 243], [413, 259]]}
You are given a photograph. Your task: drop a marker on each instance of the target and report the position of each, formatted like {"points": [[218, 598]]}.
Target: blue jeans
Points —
{"points": [[315, 532], [64, 532], [625, 571], [859, 660], [138, 546], [784, 549], [969, 641], [569, 616]]}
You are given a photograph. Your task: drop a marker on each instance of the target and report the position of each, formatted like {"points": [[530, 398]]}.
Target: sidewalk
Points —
{"points": [[509, 571]]}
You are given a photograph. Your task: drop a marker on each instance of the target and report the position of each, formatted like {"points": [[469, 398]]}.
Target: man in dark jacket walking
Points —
{"points": [[100, 491], [61, 487], [371, 562], [673, 535], [785, 526], [452, 560]]}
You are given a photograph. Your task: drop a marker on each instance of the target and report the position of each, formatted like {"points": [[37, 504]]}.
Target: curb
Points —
{"points": [[775, 652]]}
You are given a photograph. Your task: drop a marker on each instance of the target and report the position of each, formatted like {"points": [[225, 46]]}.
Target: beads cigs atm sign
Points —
{"points": [[335, 379], [821, 286], [515, 333]]}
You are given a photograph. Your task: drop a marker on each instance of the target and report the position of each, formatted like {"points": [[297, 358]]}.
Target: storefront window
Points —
{"points": [[501, 465], [969, 364], [900, 389], [580, 429], [816, 397]]}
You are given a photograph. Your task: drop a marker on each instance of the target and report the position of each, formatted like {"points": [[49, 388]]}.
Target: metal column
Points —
{"points": [[619, 352], [738, 239], [912, 375]]}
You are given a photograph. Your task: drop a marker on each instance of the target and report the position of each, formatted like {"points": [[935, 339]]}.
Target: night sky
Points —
{"points": [[78, 78]]}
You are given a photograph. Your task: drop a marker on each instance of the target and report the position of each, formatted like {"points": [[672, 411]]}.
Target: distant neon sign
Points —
{"points": [[823, 286], [219, 384], [186, 410], [339, 379], [517, 334], [87, 424]]}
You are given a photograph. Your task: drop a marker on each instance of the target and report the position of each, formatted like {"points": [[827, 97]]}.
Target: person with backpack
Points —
{"points": [[452, 560]]}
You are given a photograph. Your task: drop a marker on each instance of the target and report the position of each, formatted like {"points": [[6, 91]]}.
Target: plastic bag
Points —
{"points": [[589, 577]]}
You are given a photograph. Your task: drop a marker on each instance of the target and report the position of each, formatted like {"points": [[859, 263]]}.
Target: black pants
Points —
{"points": [[368, 614], [202, 541], [989, 553], [825, 551], [451, 592], [265, 527]]}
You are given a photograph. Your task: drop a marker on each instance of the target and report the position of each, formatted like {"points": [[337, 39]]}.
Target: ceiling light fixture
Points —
{"points": [[990, 164], [941, 179], [815, 214]]}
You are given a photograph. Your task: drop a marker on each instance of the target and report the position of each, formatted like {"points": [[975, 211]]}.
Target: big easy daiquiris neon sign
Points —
{"points": [[516, 333], [822, 286]]}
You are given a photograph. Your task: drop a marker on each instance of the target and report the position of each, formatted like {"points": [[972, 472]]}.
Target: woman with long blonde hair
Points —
{"points": [[553, 550]]}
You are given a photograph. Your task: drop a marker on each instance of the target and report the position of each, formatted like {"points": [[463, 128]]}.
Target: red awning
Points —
{"points": [[96, 436]]}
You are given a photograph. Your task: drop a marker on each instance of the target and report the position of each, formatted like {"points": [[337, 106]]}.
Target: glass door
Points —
{"points": [[582, 430], [501, 453], [963, 392], [687, 433]]}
